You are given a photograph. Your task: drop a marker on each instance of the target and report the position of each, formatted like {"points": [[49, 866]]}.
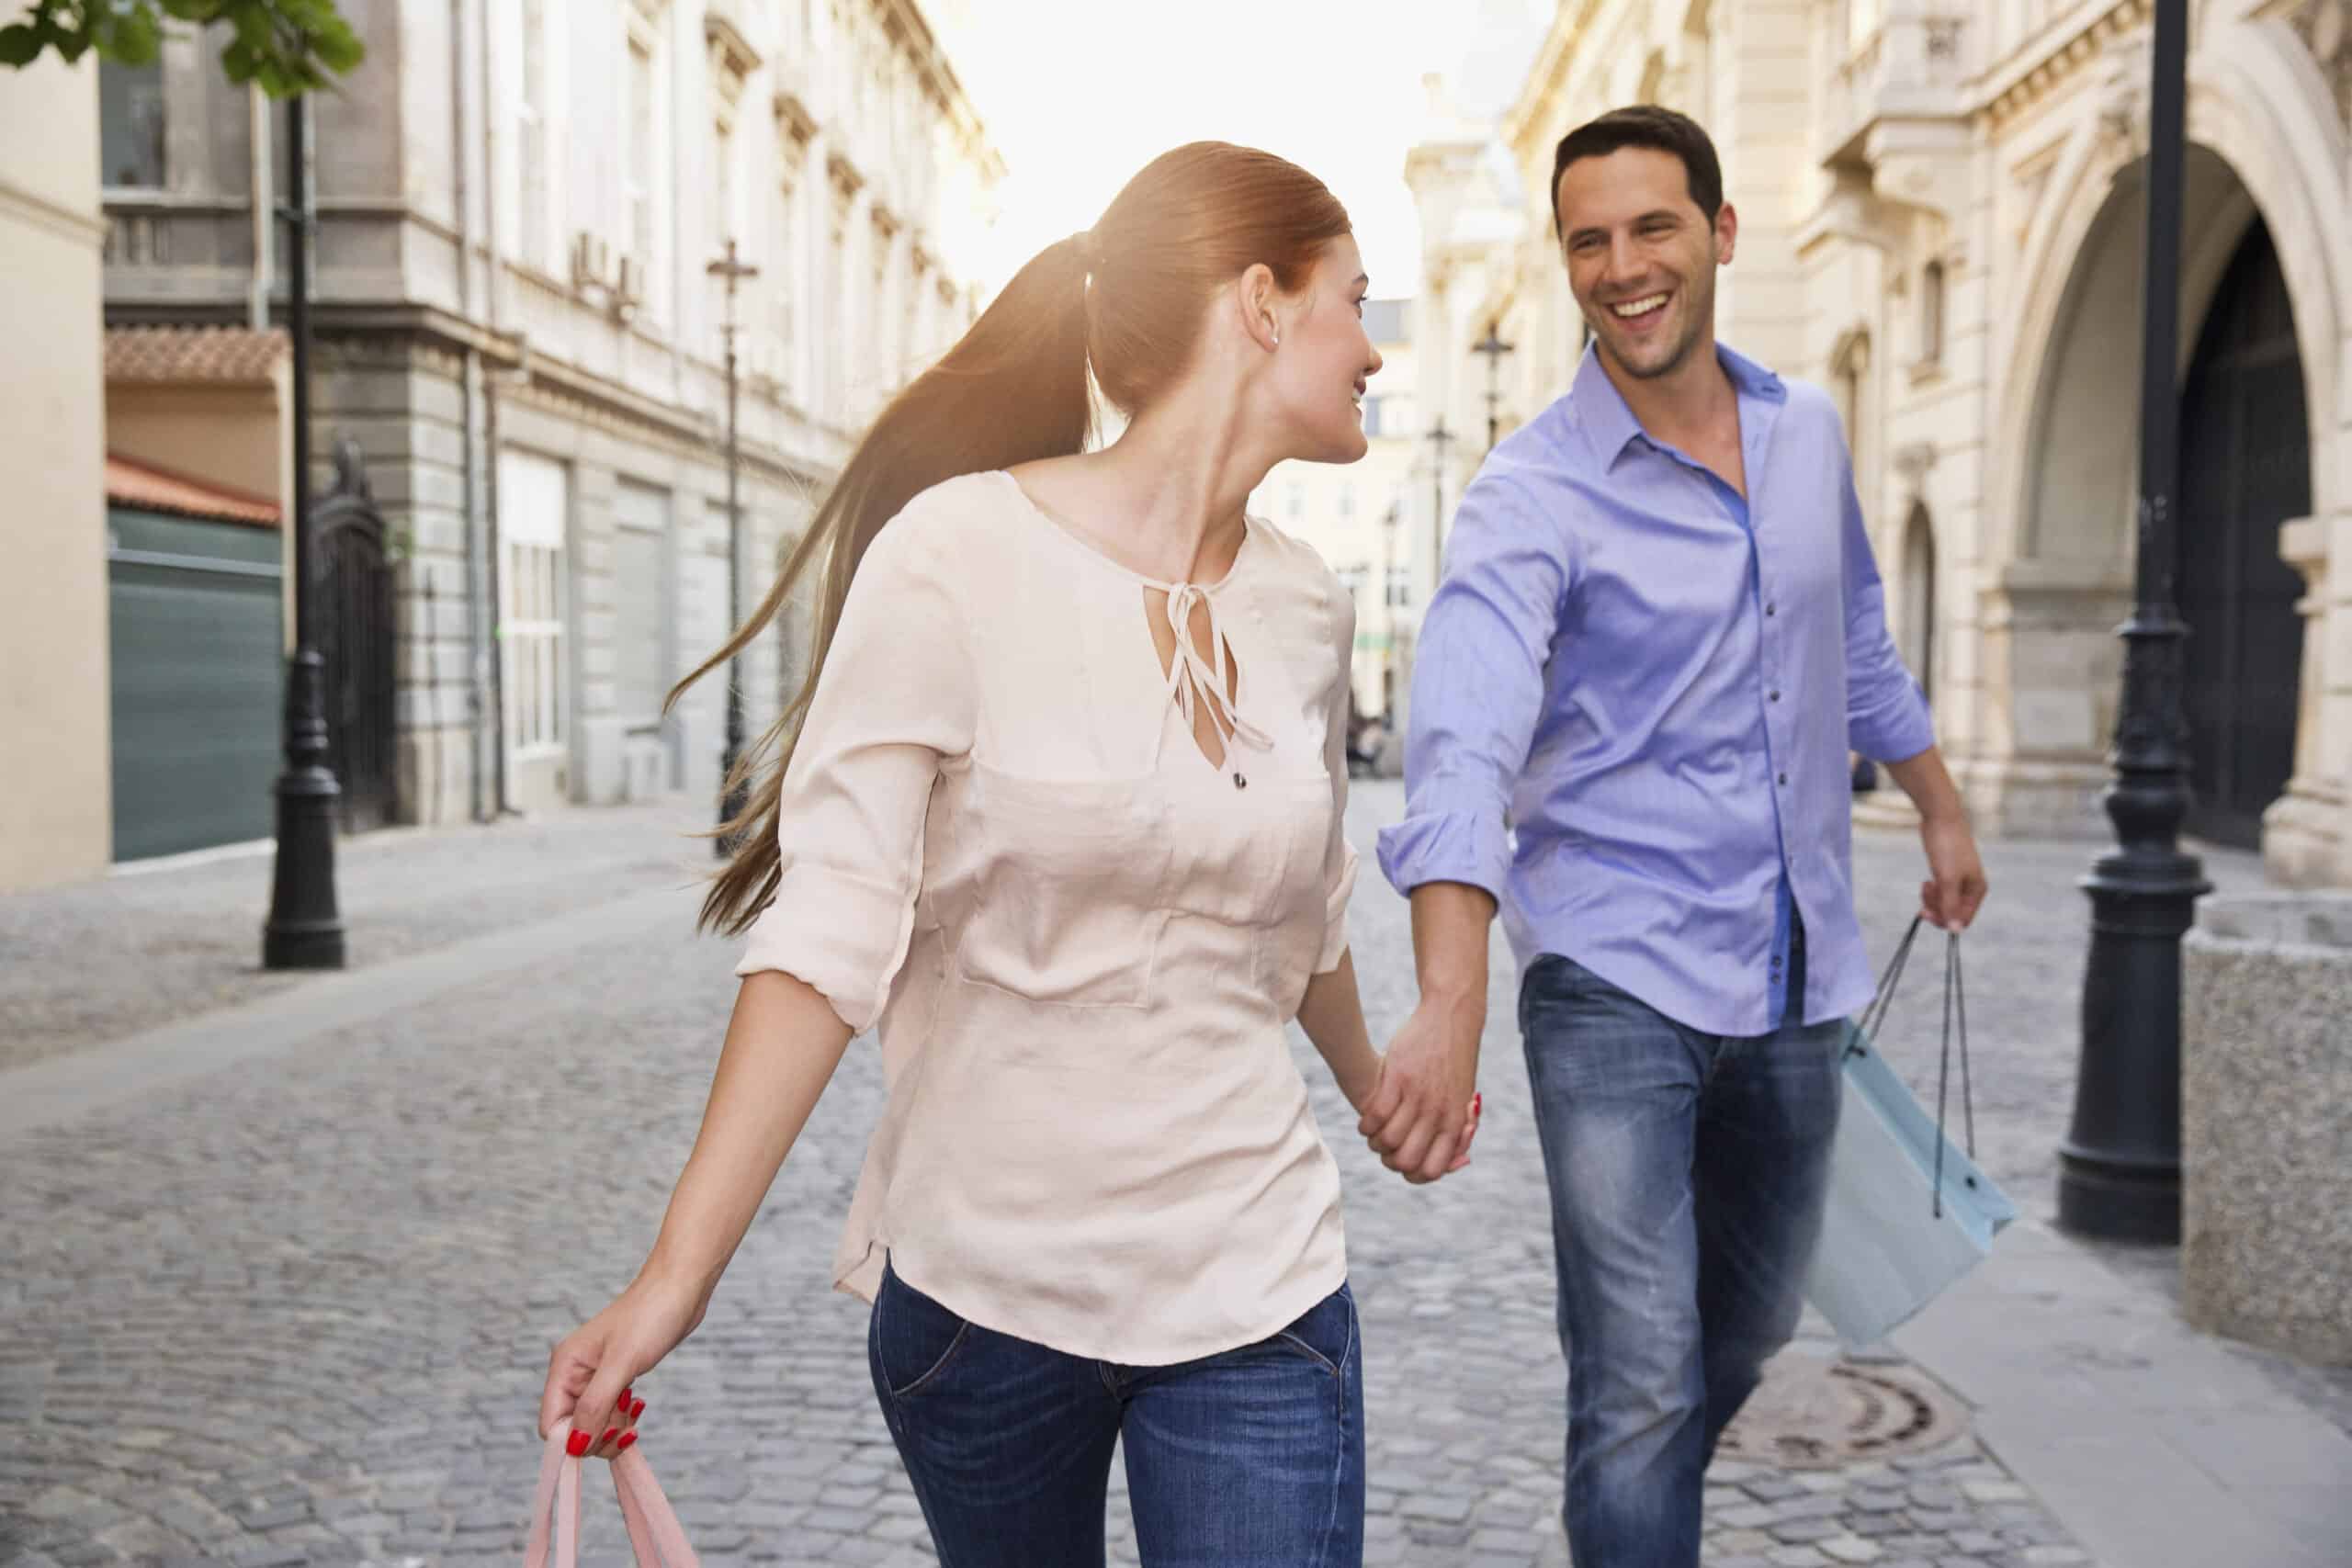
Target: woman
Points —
{"points": [[1064, 819]]}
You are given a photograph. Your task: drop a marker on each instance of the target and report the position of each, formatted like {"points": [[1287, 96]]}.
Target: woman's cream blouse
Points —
{"points": [[1079, 938]]}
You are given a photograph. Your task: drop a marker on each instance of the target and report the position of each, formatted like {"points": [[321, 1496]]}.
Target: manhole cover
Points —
{"points": [[1813, 1414]]}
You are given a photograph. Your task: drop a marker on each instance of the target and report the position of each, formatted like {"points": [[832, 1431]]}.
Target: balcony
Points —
{"points": [[1898, 87]]}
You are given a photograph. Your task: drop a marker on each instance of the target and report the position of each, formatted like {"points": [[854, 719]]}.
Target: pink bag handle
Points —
{"points": [[655, 1535]]}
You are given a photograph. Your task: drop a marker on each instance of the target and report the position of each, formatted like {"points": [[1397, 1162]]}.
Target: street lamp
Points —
{"points": [[1493, 346], [2119, 1167], [731, 798], [1389, 614], [1439, 438], [305, 927]]}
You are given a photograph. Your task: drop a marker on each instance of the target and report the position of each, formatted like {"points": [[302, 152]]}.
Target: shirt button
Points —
{"points": [[1776, 696], [1785, 781], [1771, 609]]}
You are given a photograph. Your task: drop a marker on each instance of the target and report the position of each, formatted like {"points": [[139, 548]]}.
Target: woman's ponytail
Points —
{"points": [[1013, 390]]}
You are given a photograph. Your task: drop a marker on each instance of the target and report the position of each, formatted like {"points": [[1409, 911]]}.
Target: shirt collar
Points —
{"points": [[1610, 426]]}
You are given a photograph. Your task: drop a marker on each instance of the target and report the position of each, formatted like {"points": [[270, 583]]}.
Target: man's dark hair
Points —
{"points": [[1645, 125]]}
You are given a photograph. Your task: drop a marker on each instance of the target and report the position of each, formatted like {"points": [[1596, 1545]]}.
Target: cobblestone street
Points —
{"points": [[296, 1311]]}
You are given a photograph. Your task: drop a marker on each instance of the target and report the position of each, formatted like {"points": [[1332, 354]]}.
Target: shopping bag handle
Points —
{"points": [[655, 1535], [1955, 1009]]}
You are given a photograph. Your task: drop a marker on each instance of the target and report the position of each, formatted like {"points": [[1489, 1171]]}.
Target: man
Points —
{"points": [[1660, 631]]}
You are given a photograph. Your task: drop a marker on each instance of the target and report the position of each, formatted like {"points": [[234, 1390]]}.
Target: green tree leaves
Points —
{"points": [[285, 46]]}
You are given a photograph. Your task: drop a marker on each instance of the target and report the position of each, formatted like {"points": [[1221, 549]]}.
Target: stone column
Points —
{"points": [[2267, 1121]]}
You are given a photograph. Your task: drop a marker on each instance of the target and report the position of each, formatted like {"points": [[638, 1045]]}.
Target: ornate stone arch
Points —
{"points": [[2241, 81]]}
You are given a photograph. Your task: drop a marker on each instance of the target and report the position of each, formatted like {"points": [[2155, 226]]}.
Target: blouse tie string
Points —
{"points": [[1193, 679]]}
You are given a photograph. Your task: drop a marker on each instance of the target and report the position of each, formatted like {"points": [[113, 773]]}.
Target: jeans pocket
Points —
{"points": [[1554, 985], [915, 1339], [1325, 1333]]}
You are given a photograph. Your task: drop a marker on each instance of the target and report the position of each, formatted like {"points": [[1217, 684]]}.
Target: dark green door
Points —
{"points": [[197, 669], [2245, 469]]}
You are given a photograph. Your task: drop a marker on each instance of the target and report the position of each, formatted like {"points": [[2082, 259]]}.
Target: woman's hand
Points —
{"points": [[1469, 1132], [592, 1371], [781, 1045]]}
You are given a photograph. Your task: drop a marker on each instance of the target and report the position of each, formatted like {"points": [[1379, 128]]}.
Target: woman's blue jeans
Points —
{"points": [[1251, 1459]]}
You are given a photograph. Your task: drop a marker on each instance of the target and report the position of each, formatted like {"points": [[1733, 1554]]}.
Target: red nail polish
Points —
{"points": [[610, 1433], [627, 1394], [627, 1438], [636, 1410], [1477, 1103], [576, 1445]]}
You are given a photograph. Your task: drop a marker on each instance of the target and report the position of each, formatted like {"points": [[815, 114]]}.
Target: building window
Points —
{"points": [[532, 503], [724, 213], [1346, 503], [641, 191], [1401, 588], [1389, 414], [1294, 502], [534, 150], [781, 270], [1931, 314], [832, 374], [1917, 626], [130, 125], [1851, 384]]}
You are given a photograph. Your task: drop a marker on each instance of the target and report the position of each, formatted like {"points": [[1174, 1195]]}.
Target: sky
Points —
{"points": [[1078, 95]]}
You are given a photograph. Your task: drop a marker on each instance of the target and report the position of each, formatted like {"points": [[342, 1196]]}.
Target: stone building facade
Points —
{"points": [[518, 204], [54, 786], [1941, 209]]}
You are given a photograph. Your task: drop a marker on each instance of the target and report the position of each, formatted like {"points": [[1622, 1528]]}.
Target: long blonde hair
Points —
{"points": [[1127, 301]]}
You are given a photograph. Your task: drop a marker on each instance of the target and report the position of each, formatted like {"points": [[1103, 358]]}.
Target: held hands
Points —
{"points": [[590, 1374], [1415, 1119]]}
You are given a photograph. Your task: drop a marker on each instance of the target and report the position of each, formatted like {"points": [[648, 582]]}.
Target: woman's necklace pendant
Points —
{"points": [[1239, 782]]}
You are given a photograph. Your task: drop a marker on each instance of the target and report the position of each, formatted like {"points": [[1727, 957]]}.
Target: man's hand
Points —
{"points": [[1416, 1121], [1955, 884]]}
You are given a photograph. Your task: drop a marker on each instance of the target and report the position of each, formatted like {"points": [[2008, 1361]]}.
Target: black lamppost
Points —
{"points": [[2119, 1167], [305, 927], [731, 798], [1493, 346]]}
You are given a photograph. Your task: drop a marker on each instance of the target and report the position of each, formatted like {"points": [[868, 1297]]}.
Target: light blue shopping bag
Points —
{"points": [[1907, 1212]]}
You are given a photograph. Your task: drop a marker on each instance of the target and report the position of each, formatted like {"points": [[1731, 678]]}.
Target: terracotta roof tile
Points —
{"points": [[229, 355], [131, 484]]}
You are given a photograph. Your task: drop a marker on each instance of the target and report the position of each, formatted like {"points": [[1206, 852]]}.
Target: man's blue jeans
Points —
{"points": [[1688, 1172], [1252, 1459]]}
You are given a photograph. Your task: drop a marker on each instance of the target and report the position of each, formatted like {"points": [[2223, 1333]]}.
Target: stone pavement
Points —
{"points": [[108, 958], [283, 1275]]}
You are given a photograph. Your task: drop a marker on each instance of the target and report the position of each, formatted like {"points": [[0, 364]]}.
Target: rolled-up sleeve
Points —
{"points": [[1478, 689], [894, 700], [1339, 855], [1886, 715]]}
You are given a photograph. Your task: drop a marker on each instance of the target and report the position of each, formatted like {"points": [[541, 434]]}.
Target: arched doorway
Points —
{"points": [[2071, 578], [358, 637], [2245, 469], [1918, 599]]}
